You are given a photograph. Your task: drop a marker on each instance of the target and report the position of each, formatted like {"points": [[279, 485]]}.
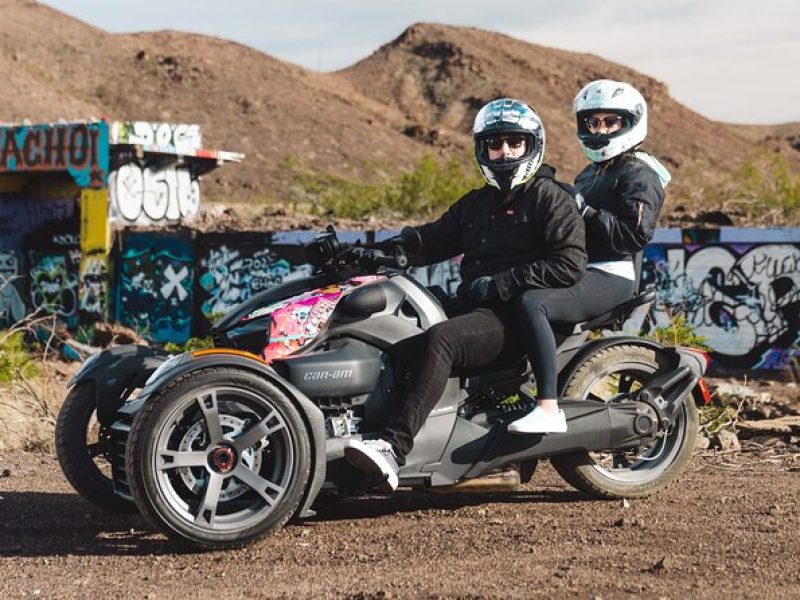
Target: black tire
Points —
{"points": [[172, 427], [633, 366], [82, 450]]}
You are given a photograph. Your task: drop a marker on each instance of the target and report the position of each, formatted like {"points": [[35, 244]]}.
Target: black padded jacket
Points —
{"points": [[625, 197], [532, 237]]}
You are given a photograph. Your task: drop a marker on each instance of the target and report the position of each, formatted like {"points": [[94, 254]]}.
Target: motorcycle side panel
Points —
{"points": [[116, 373], [350, 370]]}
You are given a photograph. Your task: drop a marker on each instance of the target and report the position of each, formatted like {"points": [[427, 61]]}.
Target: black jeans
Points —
{"points": [[472, 339], [596, 293]]}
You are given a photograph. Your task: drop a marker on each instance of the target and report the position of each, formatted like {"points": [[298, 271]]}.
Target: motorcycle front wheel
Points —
{"points": [[218, 458], [638, 472], [84, 451]]}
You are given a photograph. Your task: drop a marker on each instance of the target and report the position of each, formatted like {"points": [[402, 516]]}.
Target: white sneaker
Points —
{"points": [[375, 457], [539, 421]]}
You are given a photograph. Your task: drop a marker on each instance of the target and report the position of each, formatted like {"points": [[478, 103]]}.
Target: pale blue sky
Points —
{"points": [[732, 60]]}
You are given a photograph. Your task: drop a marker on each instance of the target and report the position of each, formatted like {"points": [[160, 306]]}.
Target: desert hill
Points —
{"points": [[417, 94]]}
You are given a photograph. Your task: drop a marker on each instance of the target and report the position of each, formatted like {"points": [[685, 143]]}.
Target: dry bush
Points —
{"points": [[32, 387], [29, 407]]}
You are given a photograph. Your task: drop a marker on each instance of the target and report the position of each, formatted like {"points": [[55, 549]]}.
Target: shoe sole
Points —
{"points": [[512, 428], [370, 461], [525, 431]]}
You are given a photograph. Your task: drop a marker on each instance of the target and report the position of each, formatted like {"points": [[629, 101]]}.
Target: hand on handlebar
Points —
{"points": [[372, 258]]}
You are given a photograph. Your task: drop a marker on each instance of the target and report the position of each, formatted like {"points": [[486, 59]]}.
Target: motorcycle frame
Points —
{"points": [[448, 447]]}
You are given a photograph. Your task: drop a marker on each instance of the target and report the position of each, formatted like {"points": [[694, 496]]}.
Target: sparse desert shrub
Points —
{"points": [[679, 332], [15, 357], [767, 188], [424, 191]]}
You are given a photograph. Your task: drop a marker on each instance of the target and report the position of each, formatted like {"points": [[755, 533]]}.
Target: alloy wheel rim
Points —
{"points": [[223, 458]]}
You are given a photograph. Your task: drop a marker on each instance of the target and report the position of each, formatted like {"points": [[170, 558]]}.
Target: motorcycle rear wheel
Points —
{"points": [[83, 450], [627, 474], [219, 458]]}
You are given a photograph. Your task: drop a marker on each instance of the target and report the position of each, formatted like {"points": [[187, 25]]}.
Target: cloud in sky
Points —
{"points": [[731, 60]]}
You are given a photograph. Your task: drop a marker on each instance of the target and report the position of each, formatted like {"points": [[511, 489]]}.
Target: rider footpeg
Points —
{"points": [[528, 390]]}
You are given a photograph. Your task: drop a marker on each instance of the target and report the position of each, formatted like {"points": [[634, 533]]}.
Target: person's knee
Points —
{"points": [[530, 305], [440, 336]]}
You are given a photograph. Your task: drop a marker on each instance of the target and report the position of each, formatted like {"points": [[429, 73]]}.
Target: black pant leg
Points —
{"points": [[473, 339], [596, 293]]}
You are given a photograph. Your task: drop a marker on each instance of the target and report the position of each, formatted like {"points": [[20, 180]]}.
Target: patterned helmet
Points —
{"points": [[508, 116]]}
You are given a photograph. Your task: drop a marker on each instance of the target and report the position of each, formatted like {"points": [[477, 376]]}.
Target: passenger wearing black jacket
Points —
{"points": [[520, 231], [620, 194]]}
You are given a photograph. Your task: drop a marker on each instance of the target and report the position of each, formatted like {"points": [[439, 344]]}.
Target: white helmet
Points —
{"points": [[508, 116], [605, 95]]}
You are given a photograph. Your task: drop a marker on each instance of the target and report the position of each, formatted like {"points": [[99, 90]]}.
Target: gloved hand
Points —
{"points": [[580, 202], [483, 289], [583, 208]]}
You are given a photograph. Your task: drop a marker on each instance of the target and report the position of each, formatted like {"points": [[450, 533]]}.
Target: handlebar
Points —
{"points": [[373, 257], [327, 252]]}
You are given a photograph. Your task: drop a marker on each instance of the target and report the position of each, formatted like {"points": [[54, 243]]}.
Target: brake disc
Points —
{"points": [[195, 439]]}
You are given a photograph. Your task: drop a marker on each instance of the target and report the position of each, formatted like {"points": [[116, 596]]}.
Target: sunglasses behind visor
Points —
{"points": [[515, 142], [594, 123]]}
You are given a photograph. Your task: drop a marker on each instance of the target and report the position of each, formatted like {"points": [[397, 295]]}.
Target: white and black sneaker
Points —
{"points": [[374, 457]]}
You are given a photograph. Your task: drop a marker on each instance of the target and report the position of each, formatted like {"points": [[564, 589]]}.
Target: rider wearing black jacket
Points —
{"points": [[620, 195], [623, 199], [520, 231], [525, 238]]}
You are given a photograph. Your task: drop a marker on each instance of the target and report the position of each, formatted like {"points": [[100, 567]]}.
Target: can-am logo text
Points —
{"points": [[321, 375]]}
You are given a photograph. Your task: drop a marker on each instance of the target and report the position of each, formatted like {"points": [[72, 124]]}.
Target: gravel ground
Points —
{"points": [[727, 529]]}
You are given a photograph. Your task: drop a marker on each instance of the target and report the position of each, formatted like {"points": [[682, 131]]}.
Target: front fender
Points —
{"points": [[116, 372], [222, 357]]}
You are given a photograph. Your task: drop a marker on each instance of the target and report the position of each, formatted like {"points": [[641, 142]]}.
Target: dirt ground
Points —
{"points": [[727, 530]]}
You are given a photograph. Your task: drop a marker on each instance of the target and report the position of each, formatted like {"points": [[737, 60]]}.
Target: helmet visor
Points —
{"points": [[504, 149]]}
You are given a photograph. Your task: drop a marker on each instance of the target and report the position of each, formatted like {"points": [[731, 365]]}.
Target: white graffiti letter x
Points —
{"points": [[174, 282]]}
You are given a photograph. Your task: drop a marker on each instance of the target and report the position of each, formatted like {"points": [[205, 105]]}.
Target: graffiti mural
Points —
{"points": [[82, 149], [12, 306], [743, 298], [92, 299], [155, 286], [152, 195], [22, 216], [54, 260], [231, 271], [177, 138]]}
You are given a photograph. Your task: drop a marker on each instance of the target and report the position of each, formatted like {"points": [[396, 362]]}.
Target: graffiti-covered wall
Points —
{"points": [[155, 287], [64, 186], [81, 149], [740, 288], [37, 270], [155, 172], [231, 270]]}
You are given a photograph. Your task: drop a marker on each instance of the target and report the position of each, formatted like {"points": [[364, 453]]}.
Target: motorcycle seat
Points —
{"points": [[503, 369], [615, 316]]}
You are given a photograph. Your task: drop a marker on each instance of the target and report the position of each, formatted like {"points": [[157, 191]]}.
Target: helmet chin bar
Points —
{"points": [[595, 142], [506, 180]]}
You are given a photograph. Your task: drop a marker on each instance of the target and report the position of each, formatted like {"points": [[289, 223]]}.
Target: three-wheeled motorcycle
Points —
{"points": [[221, 446]]}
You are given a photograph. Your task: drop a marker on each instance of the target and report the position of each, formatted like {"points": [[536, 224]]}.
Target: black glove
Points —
{"points": [[580, 202], [583, 208], [483, 289]]}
